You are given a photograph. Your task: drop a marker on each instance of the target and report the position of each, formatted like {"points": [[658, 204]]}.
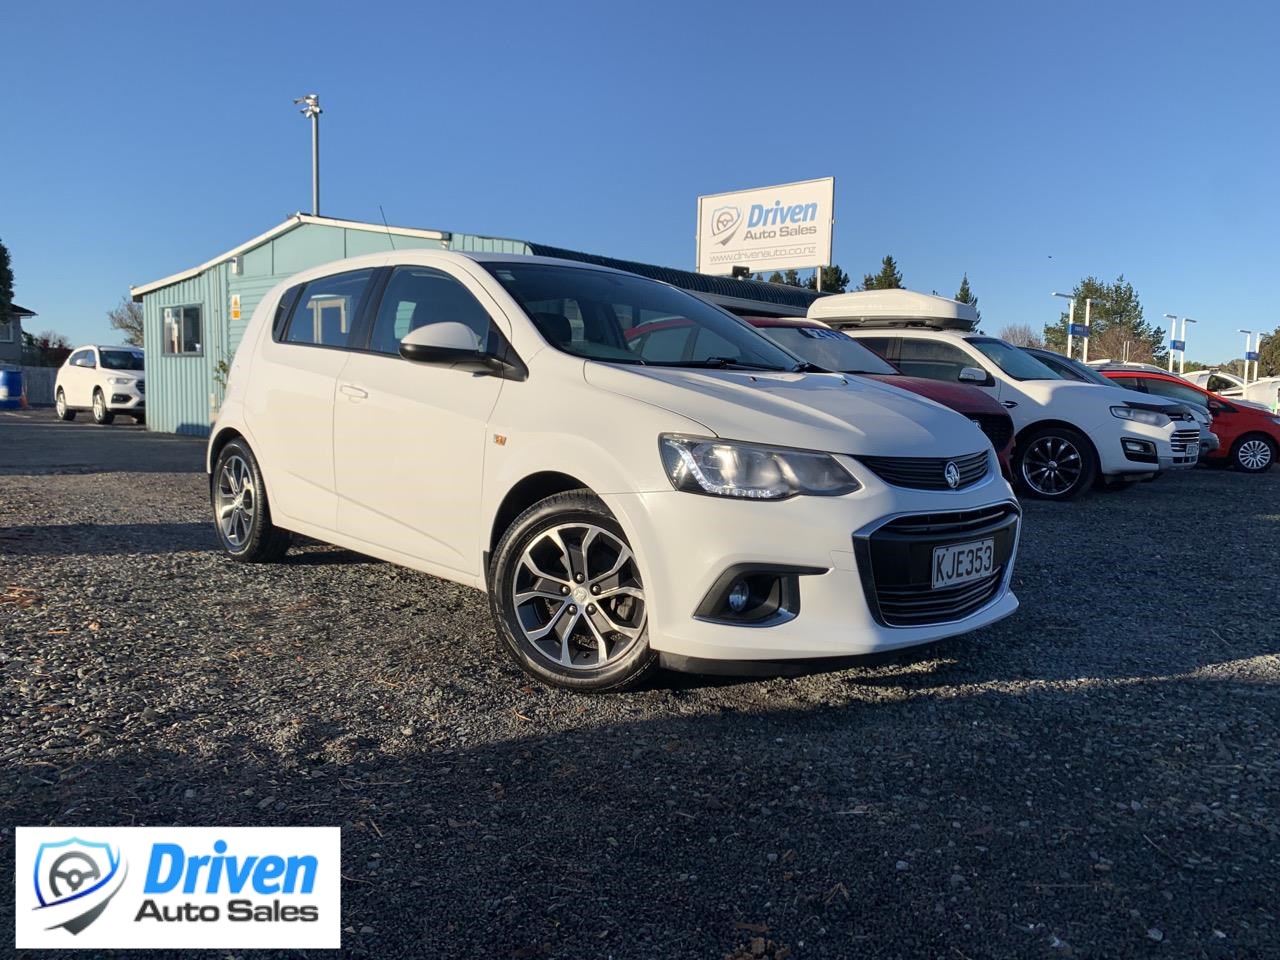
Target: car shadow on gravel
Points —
{"points": [[107, 539], [995, 825]]}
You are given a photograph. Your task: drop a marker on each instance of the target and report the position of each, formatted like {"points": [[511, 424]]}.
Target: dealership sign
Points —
{"points": [[770, 228], [198, 887]]}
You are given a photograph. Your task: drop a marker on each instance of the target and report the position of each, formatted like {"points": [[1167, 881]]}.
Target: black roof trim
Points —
{"points": [[758, 290]]}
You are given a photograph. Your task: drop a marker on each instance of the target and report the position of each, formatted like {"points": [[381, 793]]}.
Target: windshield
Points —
{"points": [[621, 318], [1019, 365], [121, 359], [829, 349], [1072, 369]]}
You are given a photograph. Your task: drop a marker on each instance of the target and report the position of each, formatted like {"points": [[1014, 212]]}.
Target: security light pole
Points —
{"points": [[1248, 336], [1071, 316], [311, 110], [1173, 336], [1182, 354]]}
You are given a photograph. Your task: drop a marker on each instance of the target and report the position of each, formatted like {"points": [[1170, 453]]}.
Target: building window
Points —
{"points": [[6, 330], [183, 330]]}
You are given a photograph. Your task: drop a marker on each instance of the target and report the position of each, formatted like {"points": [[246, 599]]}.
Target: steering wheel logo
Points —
{"points": [[75, 880]]}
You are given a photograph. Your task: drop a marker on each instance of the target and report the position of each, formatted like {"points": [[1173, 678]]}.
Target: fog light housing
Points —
{"points": [[1139, 451], [756, 596]]}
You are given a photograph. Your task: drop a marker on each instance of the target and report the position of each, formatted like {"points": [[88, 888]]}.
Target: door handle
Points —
{"points": [[352, 391], [1009, 404]]}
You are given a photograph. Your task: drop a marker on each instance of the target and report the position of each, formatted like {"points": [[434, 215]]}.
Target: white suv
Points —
{"points": [[1069, 434], [484, 418], [103, 380]]}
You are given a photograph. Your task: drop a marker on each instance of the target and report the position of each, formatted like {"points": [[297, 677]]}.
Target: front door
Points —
{"points": [[410, 438]]}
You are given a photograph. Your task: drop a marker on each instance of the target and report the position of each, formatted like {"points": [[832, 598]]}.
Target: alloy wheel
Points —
{"points": [[99, 406], [1254, 454], [1052, 466], [578, 597], [60, 404], [234, 501]]}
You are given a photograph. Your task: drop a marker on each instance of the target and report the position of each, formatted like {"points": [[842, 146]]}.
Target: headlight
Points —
{"points": [[1150, 417], [726, 468], [120, 381]]}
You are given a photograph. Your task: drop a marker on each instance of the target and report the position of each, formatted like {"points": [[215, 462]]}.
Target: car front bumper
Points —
{"points": [[1136, 448], [687, 543], [126, 399]]}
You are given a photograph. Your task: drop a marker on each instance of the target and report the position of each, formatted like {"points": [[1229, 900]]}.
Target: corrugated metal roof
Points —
{"points": [[758, 290]]}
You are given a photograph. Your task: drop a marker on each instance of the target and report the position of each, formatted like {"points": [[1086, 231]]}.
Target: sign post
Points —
{"points": [[784, 227]]}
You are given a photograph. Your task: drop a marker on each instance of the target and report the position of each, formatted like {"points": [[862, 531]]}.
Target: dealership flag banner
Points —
{"points": [[787, 227], [199, 887]]}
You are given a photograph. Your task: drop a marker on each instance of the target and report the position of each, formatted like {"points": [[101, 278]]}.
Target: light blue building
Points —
{"points": [[193, 320]]}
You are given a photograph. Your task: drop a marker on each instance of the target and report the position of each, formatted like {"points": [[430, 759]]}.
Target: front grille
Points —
{"points": [[1186, 446], [929, 473], [998, 428], [895, 564]]}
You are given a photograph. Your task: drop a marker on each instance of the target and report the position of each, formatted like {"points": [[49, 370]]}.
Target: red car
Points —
{"points": [[819, 344], [1250, 435]]}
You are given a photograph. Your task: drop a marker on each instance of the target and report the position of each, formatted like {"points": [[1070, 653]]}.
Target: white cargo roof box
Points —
{"points": [[894, 308]]}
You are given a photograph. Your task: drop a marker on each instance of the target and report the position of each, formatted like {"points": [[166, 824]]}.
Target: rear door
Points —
{"points": [[291, 399]]}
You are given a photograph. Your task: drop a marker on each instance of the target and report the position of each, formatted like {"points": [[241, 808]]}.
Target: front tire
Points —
{"points": [[60, 407], [101, 415], [1055, 463], [241, 513], [1253, 453], [567, 598]]}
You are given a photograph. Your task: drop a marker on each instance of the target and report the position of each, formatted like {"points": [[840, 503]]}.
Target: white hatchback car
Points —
{"points": [[483, 418], [1069, 433], [103, 380]]}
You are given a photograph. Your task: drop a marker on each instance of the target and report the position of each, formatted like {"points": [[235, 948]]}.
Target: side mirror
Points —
{"points": [[453, 344], [972, 375]]}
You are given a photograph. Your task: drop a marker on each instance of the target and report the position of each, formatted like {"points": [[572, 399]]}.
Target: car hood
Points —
{"points": [[958, 396], [1046, 391], [817, 411]]}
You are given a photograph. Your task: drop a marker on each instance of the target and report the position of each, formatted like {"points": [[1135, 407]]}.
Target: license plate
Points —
{"points": [[962, 562]]}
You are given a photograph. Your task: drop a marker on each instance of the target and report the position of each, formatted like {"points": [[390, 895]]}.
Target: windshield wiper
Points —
{"points": [[720, 363], [807, 367]]}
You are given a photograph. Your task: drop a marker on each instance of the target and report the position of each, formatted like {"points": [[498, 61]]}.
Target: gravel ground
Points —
{"points": [[1096, 777]]}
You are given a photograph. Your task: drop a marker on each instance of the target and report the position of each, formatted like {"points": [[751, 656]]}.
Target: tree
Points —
{"points": [[834, 280], [1269, 355], [775, 277], [889, 277], [1019, 334], [47, 349], [6, 284], [965, 295], [127, 316], [791, 278], [1116, 319]]}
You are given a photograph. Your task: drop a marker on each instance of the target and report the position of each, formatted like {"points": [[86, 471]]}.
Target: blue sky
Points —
{"points": [[1028, 144]]}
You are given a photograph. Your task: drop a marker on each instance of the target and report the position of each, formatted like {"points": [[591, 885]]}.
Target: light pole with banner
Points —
{"points": [[1182, 353], [1071, 317], [1084, 344], [1173, 338], [1248, 338]]}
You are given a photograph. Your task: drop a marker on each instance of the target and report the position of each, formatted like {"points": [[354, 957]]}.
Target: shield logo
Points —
{"points": [[75, 880], [952, 474], [724, 223]]}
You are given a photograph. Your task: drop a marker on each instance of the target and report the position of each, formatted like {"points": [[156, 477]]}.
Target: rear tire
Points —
{"points": [[241, 513], [1253, 453], [101, 415], [1055, 463], [567, 599], [60, 407]]}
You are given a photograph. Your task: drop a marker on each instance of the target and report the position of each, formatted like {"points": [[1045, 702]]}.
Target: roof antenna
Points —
{"points": [[384, 223]]}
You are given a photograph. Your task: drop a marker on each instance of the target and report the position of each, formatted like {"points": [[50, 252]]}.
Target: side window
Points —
{"points": [[1130, 383], [417, 296], [663, 346], [82, 358], [283, 308], [328, 308], [1174, 391], [1217, 384], [932, 359], [183, 330], [879, 345]]}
